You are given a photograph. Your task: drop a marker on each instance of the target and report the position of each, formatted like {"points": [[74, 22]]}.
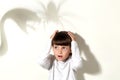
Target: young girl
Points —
{"points": [[66, 60]]}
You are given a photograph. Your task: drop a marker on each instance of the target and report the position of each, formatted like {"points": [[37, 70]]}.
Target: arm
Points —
{"points": [[46, 59], [76, 58]]}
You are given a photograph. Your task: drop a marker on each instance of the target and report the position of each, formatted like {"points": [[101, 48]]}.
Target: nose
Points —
{"points": [[60, 51]]}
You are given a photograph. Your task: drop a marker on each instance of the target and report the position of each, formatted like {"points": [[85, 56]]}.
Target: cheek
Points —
{"points": [[55, 52], [67, 53]]}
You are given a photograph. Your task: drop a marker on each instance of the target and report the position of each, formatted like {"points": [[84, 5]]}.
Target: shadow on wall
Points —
{"points": [[51, 12], [21, 17], [90, 64]]}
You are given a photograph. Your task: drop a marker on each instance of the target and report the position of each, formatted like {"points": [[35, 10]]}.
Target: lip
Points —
{"points": [[60, 56]]}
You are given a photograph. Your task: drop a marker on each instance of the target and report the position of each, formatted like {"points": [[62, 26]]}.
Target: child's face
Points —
{"points": [[61, 52]]}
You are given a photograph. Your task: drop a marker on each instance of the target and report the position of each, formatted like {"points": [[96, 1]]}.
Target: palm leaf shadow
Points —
{"points": [[20, 16]]}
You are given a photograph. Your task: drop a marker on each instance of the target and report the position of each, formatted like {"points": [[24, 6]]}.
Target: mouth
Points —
{"points": [[60, 56]]}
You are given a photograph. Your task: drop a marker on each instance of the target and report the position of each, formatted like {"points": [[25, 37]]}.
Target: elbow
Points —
{"points": [[78, 65]]}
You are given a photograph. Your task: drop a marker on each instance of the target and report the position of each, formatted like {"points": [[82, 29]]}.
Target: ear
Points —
{"points": [[70, 54]]}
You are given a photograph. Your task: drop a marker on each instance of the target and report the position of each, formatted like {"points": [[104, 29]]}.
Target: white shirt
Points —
{"points": [[60, 70]]}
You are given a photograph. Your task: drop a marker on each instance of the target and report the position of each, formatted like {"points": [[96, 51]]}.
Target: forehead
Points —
{"points": [[61, 45]]}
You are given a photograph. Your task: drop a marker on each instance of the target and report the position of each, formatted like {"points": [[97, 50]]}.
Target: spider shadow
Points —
{"points": [[90, 64], [20, 16], [51, 12]]}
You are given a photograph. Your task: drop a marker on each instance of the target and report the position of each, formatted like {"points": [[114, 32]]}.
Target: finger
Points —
{"points": [[71, 35], [53, 34]]}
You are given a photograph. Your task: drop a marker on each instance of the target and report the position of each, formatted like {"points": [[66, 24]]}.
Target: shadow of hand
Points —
{"points": [[90, 64]]}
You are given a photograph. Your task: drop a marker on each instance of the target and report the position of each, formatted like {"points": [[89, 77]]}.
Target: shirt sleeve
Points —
{"points": [[46, 59], [76, 58]]}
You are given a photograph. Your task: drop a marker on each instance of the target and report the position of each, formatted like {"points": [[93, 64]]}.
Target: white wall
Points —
{"points": [[97, 23]]}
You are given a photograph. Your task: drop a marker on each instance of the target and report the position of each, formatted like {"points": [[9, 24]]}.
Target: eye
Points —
{"points": [[64, 47], [55, 47]]}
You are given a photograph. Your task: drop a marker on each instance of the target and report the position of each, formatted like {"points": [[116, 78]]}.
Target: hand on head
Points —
{"points": [[72, 35], [52, 36]]}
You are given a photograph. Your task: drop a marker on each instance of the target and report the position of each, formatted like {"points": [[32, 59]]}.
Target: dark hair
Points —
{"points": [[62, 38]]}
